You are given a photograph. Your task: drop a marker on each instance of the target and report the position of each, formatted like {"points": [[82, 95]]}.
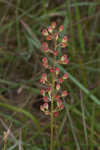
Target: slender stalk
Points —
{"points": [[52, 103], [52, 118], [4, 148]]}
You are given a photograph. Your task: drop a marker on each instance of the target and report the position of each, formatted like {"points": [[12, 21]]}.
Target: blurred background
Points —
{"points": [[21, 22]]}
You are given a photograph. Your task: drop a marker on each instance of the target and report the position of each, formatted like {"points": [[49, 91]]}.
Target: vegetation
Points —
{"points": [[22, 125]]}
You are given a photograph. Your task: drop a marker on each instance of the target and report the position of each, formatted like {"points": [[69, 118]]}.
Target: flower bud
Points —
{"points": [[45, 32], [61, 28], [42, 92], [63, 44], [65, 39], [64, 93], [53, 24], [56, 36], [45, 65], [44, 60], [49, 37], [65, 76], [57, 71], [45, 105], [48, 90], [61, 106], [43, 78], [45, 47], [45, 98], [57, 97], [60, 80], [41, 108], [59, 103], [50, 29], [55, 114], [64, 57], [52, 70], [66, 61], [55, 53], [57, 86]]}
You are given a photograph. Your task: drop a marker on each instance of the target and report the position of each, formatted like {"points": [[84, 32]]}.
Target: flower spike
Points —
{"points": [[53, 80]]}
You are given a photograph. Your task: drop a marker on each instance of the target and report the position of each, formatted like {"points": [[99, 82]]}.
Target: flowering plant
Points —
{"points": [[52, 82]]}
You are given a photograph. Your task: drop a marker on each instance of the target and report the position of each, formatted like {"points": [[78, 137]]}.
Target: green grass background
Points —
{"points": [[21, 22]]}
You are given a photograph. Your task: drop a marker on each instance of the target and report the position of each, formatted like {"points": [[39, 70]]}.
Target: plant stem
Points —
{"points": [[52, 103], [4, 148], [52, 118]]}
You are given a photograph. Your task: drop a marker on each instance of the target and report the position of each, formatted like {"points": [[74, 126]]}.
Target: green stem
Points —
{"points": [[4, 148], [52, 118], [52, 103]]}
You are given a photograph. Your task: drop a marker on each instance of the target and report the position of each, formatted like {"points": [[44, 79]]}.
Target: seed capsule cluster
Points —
{"points": [[55, 93]]}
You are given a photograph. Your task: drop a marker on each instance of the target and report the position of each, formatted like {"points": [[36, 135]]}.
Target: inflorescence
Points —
{"points": [[52, 81]]}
